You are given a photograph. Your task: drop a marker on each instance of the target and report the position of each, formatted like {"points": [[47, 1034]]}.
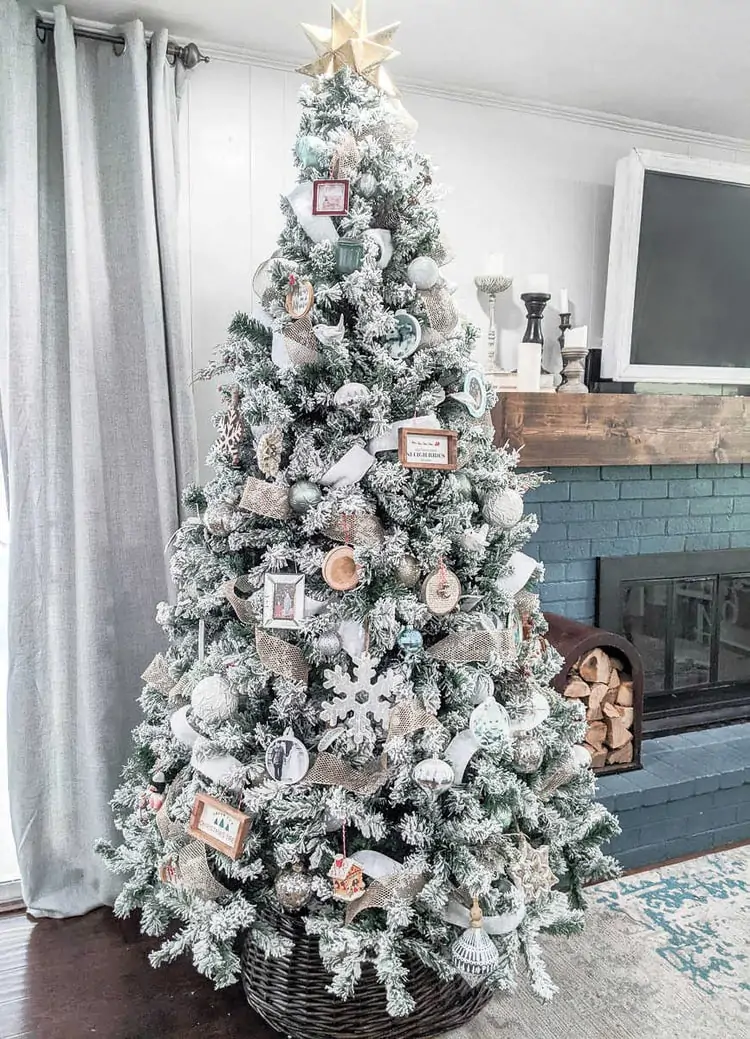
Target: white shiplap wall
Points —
{"points": [[535, 187]]}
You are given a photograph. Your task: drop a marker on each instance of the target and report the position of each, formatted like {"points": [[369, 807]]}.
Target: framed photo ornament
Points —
{"points": [[427, 448], [299, 298], [283, 600], [218, 825], [330, 197]]}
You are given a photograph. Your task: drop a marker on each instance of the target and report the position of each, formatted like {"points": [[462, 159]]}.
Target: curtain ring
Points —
{"points": [[41, 31], [119, 47]]}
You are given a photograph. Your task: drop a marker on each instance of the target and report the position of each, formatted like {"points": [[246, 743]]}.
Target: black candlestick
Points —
{"points": [[535, 303], [564, 326]]}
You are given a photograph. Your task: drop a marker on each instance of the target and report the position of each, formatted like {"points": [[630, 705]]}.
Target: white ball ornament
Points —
{"points": [[351, 394], [434, 775], [503, 508], [213, 700], [423, 272]]}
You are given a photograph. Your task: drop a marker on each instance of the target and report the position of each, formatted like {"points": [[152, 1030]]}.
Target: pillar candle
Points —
{"points": [[495, 264], [529, 367], [577, 337], [538, 283], [564, 301]]}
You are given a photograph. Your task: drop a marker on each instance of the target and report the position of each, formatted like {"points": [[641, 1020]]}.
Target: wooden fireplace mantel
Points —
{"points": [[623, 428]]}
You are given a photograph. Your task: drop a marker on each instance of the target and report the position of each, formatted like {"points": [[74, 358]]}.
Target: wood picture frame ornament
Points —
{"points": [[428, 448], [300, 297], [330, 197], [205, 827]]}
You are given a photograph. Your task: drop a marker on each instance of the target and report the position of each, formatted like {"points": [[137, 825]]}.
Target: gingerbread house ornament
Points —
{"points": [[348, 882]]}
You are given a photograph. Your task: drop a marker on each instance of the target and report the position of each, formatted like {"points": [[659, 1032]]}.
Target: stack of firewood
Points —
{"points": [[600, 682]]}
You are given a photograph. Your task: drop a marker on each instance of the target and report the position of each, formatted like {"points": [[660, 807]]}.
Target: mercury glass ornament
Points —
{"points": [[408, 571], [351, 393], [221, 517], [489, 721], [528, 753], [303, 496], [410, 641], [503, 508], [434, 775], [474, 953], [464, 486], [423, 272], [293, 887], [328, 645], [367, 184]]}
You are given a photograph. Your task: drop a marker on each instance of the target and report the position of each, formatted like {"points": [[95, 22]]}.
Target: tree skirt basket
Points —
{"points": [[291, 995]]}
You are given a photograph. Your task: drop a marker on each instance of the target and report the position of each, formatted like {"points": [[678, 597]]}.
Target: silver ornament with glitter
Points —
{"points": [[328, 645], [474, 954], [463, 485], [221, 517], [408, 571], [303, 496], [528, 753], [503, 508], [410, 641], [293, 887], [423, 272], [367, 184]]}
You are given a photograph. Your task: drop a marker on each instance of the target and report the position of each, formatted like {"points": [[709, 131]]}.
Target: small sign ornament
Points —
{"points": [[427, 448], [219, 825]]}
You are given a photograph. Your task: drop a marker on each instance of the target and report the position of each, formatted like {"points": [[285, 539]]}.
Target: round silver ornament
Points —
{"points": [[293, 887], [328, 645], [423, 272], [213, 701], [503, 508], [221, 517], [474, 953], [303, 496], [433, 775], [464, 486], [350, 393], [367, 184], [408, 571], [410, 641], [489, 721], [528, 753]]}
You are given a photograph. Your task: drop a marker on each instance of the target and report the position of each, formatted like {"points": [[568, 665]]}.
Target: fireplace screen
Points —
{"points": [[688, 614]]}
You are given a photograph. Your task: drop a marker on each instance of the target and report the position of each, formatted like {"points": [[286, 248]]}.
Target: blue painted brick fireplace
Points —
{"points": [[628, 510], [693, 793]]}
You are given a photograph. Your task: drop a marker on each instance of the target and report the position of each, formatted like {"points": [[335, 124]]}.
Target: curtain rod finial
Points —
{"points": [[190, 55]]}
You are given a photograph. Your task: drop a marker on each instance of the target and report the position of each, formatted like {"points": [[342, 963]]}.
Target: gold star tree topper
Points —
{"points": [[348, 43]]}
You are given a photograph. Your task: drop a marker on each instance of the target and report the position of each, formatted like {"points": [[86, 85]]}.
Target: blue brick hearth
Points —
{"points": [[596, 511]]}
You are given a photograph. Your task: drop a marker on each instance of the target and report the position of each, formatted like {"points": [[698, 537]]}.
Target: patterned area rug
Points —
{"points": [[665, 955]]}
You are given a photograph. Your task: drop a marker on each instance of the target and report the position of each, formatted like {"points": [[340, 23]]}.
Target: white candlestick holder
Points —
{"points": [[492, 285]]}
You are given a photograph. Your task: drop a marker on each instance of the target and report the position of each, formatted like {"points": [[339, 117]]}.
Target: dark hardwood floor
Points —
{"points": [[90, 976]]}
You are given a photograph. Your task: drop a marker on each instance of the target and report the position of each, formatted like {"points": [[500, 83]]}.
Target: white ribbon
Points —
{"points": [[349, 469], [353, 638], [313, 607], [279, 353], [459, 753], [521, 569], [219, 768], [539, 713], [375, 864], [388, 441], [319, 228], [182, 729]]}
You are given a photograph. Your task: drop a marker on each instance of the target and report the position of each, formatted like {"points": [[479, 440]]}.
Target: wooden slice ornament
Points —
{"points": [[299, 298], [340, 571], [441, 591]]}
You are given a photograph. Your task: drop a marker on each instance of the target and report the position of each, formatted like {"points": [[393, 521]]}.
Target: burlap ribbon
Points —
{"points": [[195, 874], [405, 885], [330, 770], [409, 716], [356, 529], [300, 341], [346, 158], [265, 499], [169, 830], [184, 687], [157, 675], [241, 607], [280, 657], [559, 776], [441, 310], [475, 645]]}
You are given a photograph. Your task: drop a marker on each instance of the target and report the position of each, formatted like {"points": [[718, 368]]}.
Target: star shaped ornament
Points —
{"points": [[348, 43], [531, 870]]}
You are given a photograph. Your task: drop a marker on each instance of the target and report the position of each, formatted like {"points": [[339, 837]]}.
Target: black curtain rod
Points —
{"points": [[189, 55]]}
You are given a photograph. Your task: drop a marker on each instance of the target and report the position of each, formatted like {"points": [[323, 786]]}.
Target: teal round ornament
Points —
{"points": [[410, 641], [312, 151]]}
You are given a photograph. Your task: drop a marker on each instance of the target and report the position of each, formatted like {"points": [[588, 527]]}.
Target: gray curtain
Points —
{"points": [[98, 424]]}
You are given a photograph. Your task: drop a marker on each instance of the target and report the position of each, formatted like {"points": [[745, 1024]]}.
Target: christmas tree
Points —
{"points": [[354, 719]]}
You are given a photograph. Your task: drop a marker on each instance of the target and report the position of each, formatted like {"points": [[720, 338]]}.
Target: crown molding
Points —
{"points": [[492, 99], [485, 98]]}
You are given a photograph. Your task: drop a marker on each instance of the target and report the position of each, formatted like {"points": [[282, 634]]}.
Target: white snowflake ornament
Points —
{"points": [[359, 699]]}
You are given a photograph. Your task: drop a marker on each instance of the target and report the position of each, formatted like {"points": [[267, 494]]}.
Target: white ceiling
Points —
{"points": [[681, 62]]}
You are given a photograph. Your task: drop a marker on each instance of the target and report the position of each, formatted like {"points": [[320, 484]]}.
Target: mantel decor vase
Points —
{"points": [[292, 995]]}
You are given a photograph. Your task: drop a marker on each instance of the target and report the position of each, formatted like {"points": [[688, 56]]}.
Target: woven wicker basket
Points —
{"points": [[291, 996]]}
